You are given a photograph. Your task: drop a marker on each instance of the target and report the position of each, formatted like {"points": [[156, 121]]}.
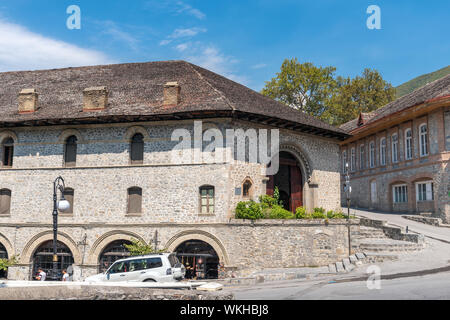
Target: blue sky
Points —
{"points": [[244, 40]]}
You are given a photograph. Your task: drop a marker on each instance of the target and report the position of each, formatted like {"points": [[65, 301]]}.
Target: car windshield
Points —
{"points": [[119, 267]]}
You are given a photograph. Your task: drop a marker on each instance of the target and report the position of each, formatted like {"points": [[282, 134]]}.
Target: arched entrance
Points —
{"points": [[114, 251], [43, 258], [3, 255], [289, 181], [199, 258]]}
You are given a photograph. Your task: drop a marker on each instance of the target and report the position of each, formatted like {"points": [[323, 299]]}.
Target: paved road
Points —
{"points": [[395, 219], [436, 286]]}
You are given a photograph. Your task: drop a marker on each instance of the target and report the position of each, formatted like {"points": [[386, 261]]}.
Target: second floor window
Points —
{"points": [[361, 157], [69, 194], [70, 152], [423, 140], [137, 149], [408, 144], [8, 152], [394, 144], [344, 162], [207, 200], [383, 151], [353, 160], [134, 200], [372, 154], [5, 201]]}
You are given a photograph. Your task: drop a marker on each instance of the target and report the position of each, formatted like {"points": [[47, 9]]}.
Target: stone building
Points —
{"points": [[108, 131], [399, 155]]}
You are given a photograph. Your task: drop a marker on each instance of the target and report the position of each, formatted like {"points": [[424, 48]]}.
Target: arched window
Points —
{"points": [[70, 152], [344, 162], [383, 151], [247, 189], [423, 140], [5, 202], [69, 194], [137, 149], [408, 144], [394, 145], [372, 154], [207, 199], [353, 160], [43, 259], [3, 255], [114, 251], [134, 200], [361, 157], [8, 152]]}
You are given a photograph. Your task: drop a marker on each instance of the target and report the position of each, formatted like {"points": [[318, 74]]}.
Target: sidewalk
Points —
{"points": [[396, 219]]}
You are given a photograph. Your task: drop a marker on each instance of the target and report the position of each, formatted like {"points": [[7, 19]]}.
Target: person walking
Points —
{"points": [[41, 275], [65, 276]]}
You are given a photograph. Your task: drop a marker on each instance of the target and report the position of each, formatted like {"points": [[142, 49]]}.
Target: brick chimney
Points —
{"points": [[171, 94], [95, 98], [28, 99]]}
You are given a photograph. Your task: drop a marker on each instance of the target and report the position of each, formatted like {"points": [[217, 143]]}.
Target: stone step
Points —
{"points": [[340, 267], [377, 257], [332, 268], [379, 245]]}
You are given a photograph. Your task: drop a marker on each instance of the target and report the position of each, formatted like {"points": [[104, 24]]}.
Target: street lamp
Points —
{"points": [[62, 205], [348, 191]]}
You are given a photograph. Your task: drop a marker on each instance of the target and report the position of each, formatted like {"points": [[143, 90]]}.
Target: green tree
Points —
{"points": [[6, 263], [318, 92], [138, 248], [364, 93], [302, 86]]}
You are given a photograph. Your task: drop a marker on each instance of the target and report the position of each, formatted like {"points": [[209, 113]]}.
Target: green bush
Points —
{"points": [[300, 213], [278, 212], [249, 210]]}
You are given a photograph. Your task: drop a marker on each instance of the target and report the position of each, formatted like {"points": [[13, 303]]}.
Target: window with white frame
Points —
{"points": [[394, 144], [424, 191], [353, 160], [344, 161], [372, 154], [361, 157], [423, 140], [383, 151], [400, 193], [408, 144]]}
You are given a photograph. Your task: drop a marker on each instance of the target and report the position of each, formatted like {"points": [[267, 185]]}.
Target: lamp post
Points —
{"points": [[62, 205], [348, 191]]}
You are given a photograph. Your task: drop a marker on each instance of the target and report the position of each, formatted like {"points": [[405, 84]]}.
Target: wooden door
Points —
{"points": [[296, 188]]}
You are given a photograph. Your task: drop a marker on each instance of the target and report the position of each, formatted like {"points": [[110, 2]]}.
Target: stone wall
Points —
{"points": [[243, 246]]}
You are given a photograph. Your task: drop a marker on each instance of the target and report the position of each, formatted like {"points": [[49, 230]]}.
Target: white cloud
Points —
{"points": [[189, 32], [209, 57], [184, 7], [110, 28], [259, 66], [178, 7], [182, 33], [21, 49], [183, 46]]}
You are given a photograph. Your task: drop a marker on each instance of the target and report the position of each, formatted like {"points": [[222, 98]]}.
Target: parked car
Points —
{"points": [[164, 267]]}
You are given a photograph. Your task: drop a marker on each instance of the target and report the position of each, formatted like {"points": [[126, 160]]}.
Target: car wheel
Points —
{"points": [[149, 280]]}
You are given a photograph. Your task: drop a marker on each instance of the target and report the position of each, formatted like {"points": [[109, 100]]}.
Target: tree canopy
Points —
{"points": [[320, 93]]}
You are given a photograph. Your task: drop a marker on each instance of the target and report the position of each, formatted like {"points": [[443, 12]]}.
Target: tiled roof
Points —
{"points": [[437, 89], [136, 92]]}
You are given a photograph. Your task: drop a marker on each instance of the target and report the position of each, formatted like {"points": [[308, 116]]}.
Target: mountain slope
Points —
{"points": [[420, 81]]}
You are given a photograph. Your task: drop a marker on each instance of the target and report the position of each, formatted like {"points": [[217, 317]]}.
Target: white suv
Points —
{"points": [[164, 267]]}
